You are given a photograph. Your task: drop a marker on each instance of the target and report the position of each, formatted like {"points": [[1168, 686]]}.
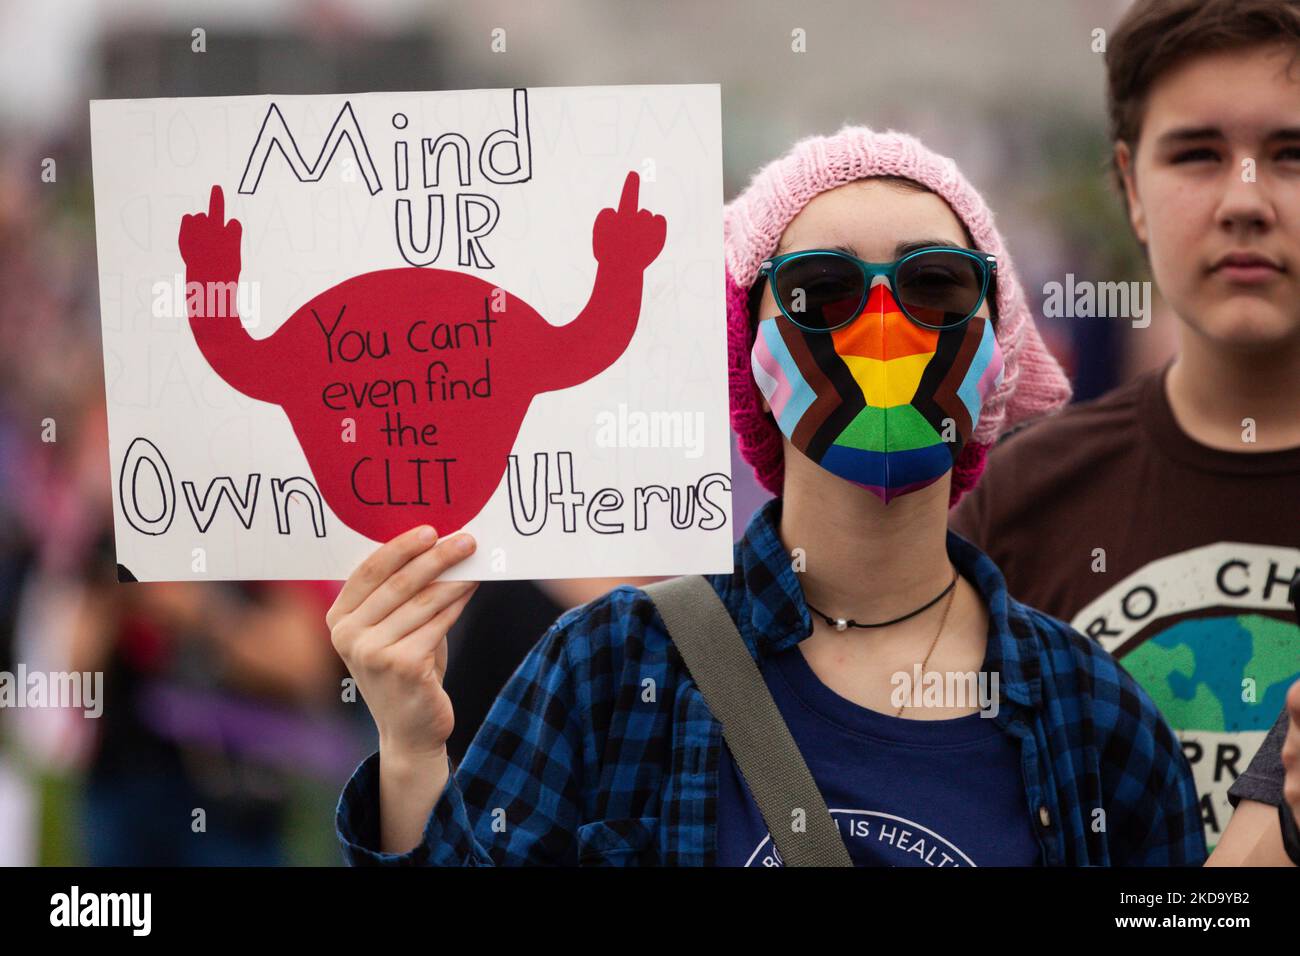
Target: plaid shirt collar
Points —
{"points": [[778, 615]]}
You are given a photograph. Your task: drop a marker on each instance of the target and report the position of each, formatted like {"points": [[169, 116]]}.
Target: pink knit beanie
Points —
{"points": [[1032, 381]]}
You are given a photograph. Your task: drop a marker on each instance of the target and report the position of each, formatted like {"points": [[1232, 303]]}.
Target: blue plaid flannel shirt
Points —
{"points": [[601, 750]]}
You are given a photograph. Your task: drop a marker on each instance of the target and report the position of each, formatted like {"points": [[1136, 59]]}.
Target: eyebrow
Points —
{"points": [[901, 249], [1185, 134], [1200, 133]]}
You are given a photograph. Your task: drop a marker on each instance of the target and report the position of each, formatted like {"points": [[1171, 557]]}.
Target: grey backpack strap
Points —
{"points": [[720, 663]]}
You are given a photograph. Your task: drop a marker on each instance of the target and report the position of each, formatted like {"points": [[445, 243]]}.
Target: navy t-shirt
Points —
{"points": [[904, 792]]}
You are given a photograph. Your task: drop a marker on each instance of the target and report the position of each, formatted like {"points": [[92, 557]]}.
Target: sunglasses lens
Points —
{"points": [[940, 288], [820, 291]]}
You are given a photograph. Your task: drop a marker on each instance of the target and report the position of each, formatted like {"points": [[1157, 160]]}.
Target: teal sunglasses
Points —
{"points": [[937, 287]]}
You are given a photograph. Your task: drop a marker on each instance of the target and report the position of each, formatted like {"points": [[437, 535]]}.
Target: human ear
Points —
{"points": [[1124, 162]]}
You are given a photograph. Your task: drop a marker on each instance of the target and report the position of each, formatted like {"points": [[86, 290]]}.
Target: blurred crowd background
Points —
{"points": [[225, 737]]}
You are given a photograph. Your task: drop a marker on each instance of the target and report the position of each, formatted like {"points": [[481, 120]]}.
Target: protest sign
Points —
{"points": [[328, 319]]}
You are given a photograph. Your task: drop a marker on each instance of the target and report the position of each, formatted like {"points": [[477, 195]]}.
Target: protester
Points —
{"points": [[221, 697], [1159, 519], [865, 396]]}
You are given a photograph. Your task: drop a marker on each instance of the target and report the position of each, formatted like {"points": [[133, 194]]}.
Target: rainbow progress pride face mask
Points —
{"points": [[874, 401]]}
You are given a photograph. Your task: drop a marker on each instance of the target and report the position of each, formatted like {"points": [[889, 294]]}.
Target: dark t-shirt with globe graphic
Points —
{"points": [[1175, 556]]}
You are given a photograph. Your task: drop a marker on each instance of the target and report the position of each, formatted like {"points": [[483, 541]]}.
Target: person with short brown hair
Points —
{"points": [[1159, 519]]}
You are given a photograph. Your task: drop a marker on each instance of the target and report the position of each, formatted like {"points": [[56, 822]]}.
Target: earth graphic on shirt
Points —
{"points": [[1195, 671], [1199, 673], [1189, 629], [879, 839]]}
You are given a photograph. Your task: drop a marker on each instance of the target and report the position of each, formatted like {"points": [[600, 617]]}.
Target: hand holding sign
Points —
{"points": [[407, 387], [390, 624]]}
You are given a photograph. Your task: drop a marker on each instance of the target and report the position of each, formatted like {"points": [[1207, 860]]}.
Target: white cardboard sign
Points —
{"points": [[327, 319]]}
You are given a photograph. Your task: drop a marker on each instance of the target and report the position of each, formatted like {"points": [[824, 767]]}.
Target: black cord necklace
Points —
{"points": [[841, 624]]}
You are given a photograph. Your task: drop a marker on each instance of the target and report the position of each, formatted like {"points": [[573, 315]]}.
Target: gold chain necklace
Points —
{"points": [[947, 605]]}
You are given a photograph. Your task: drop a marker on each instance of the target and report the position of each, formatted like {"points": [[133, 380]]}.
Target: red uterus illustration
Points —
{"points": [[407, 387]]}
